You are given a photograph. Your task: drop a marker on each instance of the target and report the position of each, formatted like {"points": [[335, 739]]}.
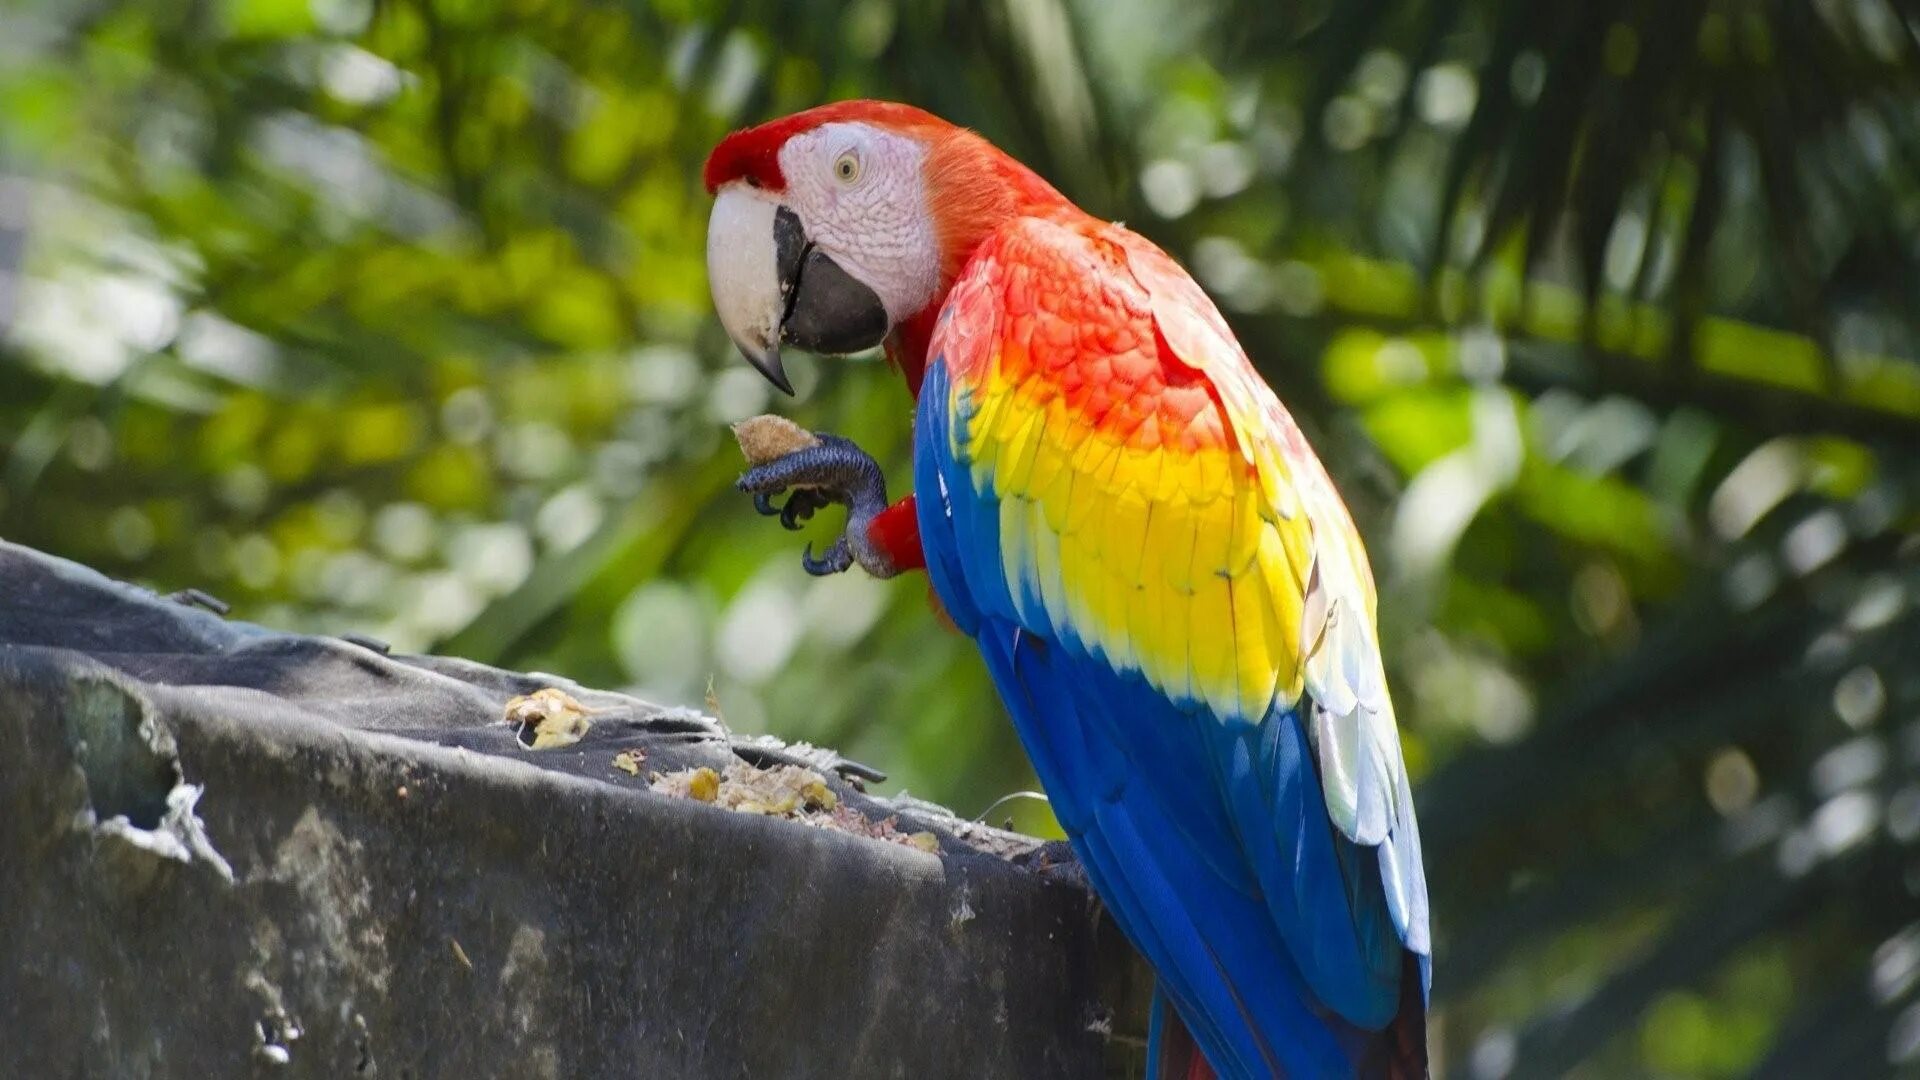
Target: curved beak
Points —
{"points": [[772, 286]]}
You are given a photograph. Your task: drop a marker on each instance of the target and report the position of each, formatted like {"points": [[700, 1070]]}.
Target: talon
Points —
{"points": [[800, 506], [763, 502], [837, 559], [816, 567], [795, 512]]}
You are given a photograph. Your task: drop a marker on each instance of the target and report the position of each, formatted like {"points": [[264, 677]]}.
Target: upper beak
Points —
{"points": [[771, 285]]}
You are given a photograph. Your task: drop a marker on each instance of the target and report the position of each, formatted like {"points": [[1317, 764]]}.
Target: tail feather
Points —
{"points": [[1397, 1052], [1172, 1051], [1400, 1051]]}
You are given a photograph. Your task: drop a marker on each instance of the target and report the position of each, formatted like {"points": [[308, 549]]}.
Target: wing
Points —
{"points": [[1178, 614], [1357, 739]]}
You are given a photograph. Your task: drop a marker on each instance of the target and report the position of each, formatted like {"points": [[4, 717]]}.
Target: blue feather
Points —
{"points": [[1322, 890]]}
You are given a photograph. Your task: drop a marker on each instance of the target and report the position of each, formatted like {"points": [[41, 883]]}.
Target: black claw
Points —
{"points": [[837, 559], [799, 508], [796, 512], [801, 505], [811, 565]]}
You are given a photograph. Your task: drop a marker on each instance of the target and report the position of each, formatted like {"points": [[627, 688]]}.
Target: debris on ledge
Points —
{"points": [[548, 719]]}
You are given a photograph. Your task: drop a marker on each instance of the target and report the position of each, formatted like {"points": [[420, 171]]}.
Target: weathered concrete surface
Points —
{"points": [[376, 879]]}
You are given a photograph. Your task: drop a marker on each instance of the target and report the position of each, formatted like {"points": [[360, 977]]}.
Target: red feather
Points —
{"points": [[896, 531]]}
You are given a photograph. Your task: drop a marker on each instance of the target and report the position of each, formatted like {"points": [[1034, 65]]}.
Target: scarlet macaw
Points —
{"points": [[1170, 596]]}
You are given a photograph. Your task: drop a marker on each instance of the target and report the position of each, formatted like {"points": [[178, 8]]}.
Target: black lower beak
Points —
{"points": [[828, 310]]}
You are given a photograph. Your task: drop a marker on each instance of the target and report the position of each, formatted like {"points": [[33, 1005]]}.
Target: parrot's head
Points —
{"points": [[835, 226]]}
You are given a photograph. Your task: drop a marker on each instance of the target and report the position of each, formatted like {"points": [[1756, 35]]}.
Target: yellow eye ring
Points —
{"points": [[846, 167]]}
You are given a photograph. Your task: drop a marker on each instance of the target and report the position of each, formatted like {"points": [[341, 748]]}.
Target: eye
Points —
{"points": [[846, 167]]}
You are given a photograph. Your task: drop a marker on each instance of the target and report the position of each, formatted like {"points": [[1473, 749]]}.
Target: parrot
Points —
{"points": [[1170, 597]]}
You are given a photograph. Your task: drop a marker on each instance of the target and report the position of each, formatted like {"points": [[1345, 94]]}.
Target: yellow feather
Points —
{"points": [[1121, 535], [1296, 542], [1276, 483], [1048, 462], [1158, 647], [1176, 477], [1020, 434], [1171, 628], [1045, 546], [1255, 669], [1083, 584], [1070, 436], [1110, 613], [1283, 595], [1243, 545], [982, 447], [1168, 556], [1096, 447], [987, 399], [1093, 466], [1210, 643], [1209, 475], [1212, 535], [1056, 491], [1015, 560]]}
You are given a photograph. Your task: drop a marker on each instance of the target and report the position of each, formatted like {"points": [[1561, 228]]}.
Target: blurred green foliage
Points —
{"points": [[390, 317]]}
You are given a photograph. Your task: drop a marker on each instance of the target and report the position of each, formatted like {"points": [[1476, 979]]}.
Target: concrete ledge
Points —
{"points": [[226, 851]]}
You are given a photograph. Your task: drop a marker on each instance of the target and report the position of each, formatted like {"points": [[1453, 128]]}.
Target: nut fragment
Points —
{"points": [[816, 795], [548, 719], [704, 784], [767, 437]]}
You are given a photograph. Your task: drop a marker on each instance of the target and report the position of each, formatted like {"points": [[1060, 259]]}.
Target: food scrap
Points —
{"points": [[766, 437], [548, 719], [704, 785], [787, 791], [628, 761], [783, 791]]}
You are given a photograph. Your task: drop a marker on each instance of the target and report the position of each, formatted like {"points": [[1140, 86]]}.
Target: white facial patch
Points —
{"points": [[741, 269], [860, 193]]}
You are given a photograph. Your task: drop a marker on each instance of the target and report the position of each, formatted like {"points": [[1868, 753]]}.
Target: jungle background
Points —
{"points": [[389, 316]]}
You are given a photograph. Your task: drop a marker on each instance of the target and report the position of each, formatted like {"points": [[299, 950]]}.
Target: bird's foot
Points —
{"points": [[799, 508], [833, 470]]}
